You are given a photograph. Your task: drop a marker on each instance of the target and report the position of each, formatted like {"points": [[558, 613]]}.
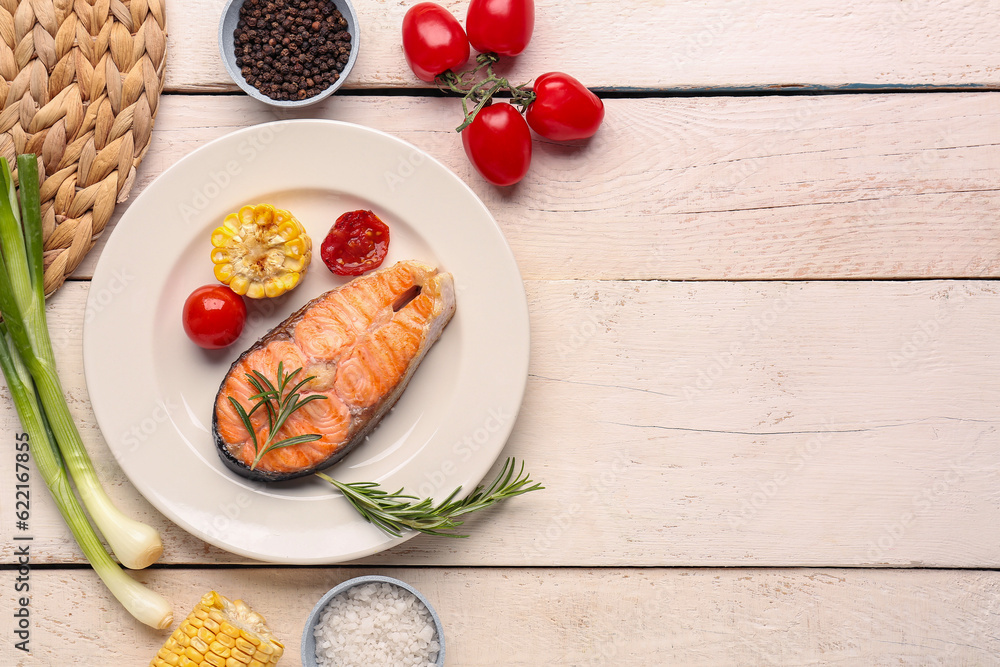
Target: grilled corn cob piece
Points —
{"points": [[261, 251], [220, 633]]}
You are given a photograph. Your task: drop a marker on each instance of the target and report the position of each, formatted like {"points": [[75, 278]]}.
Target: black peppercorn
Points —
{"points": [[291, 49]]}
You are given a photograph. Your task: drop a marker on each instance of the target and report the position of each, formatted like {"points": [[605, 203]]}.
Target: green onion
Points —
{"points": [[29, 365], [149, 607]]}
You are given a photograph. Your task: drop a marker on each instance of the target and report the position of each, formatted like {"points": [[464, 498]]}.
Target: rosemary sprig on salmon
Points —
{"points": [[395, 512], [359, 344], [279, 407]]}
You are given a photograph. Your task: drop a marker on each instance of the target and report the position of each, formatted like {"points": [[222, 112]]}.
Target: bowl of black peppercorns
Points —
{"points": [[288, 53]]}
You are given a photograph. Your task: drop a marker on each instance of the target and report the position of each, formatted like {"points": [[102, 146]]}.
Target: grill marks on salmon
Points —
{"points": [[362, 342], [376, 363]]}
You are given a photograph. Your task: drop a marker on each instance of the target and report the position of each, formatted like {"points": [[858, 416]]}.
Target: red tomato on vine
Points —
{"points": [[498, 144], [433, 40], [500, 26], [563, 108]]}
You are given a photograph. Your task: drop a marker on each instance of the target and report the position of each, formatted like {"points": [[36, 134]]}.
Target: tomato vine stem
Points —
{"points": [[479, 85]]}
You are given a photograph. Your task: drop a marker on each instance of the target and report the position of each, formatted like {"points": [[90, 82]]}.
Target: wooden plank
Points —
{"points": [[696, 44], [572, 617], [811, 423], [851, 186]]}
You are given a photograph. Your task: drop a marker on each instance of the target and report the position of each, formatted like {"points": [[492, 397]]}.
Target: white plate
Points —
{"points": [[153, 390]]}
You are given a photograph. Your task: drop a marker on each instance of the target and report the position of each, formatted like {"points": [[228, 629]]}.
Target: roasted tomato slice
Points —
{"points": [[357, 243]]}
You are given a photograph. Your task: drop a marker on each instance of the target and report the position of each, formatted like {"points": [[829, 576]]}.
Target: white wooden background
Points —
{"points": [[763, 392]]}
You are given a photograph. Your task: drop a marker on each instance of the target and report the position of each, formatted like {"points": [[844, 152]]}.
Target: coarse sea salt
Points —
{"points": [[373, 625]]}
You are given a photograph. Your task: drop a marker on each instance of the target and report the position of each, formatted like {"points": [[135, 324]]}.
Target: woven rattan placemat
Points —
{"points": [[80, 82]]}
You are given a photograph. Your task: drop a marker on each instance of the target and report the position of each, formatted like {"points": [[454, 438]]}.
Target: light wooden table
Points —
{"points": [[763, 395]]}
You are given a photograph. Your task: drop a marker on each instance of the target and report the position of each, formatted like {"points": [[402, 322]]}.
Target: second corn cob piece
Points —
{"points": [[220, 633]]}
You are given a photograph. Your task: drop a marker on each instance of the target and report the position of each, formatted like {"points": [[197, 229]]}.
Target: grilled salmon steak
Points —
{"points": [[360, 344]]}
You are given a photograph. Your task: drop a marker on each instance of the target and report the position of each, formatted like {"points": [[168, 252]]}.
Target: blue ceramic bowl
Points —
{"points": [[309, 641], [227, 48]]}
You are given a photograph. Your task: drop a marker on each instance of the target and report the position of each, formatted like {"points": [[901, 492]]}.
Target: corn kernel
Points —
{"points": [[243, 645], [168, 656], [239, 284], [218, 648], [207, 638], [252, 248], [241, 656], [230, 630]]}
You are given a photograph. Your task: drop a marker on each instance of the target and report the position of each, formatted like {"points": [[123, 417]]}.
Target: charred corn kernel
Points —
{"points": [[220, 633], [261, 251]]}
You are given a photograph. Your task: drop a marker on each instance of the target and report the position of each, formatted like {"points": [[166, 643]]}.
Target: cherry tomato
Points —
{"points": [[498, 144], [357, 242], [433, 40], [501, 26], [563, 108], [214, 316]]}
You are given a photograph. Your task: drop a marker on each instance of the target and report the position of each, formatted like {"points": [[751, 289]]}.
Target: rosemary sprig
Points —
{"points": [[279, 406], [396, 512]]}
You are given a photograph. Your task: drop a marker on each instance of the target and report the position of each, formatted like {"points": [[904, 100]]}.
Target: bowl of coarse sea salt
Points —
{"points": [[370, 621]]}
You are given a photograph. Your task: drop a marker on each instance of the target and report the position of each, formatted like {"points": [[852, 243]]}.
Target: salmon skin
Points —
{"points": [[361, 342]]}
